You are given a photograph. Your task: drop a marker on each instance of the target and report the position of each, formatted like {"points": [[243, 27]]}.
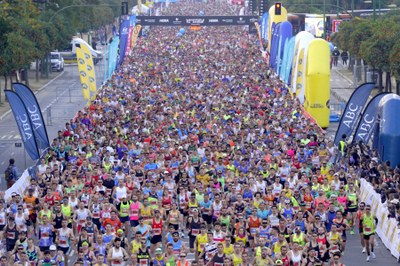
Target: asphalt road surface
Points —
{"points": [[62, 98], [59, 101]]}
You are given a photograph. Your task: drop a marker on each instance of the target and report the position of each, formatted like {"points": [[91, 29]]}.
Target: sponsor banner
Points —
{"points": [[135, 35], [112, 56], [90, 69], [365, 127], [123, 38], [353, 110], [132, 20], [24, 124], [257, 25], [196, 20], [83, 75], [19, 186], [335, 24], [35, 114], [387, 228], [264, 26]]}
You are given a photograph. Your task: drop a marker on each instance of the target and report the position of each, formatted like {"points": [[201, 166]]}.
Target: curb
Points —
{"points": [[343, 76], [36, 92], [336, 95]]}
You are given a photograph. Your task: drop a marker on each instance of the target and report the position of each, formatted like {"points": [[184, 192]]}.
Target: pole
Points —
{"points": [[337, 8], [352, 8], [324, 36], [379, 7], [374, 7]]}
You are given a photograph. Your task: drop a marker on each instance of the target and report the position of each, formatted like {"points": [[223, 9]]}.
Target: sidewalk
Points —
{"points": [[35, 86], [342, 83]]}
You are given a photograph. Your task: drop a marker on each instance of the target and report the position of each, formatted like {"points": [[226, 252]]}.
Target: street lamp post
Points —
{"points": [[324, 19], [337, 8]]}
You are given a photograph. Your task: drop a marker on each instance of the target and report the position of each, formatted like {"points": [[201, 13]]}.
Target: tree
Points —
{"points": [[394, 60], [376, 49]]}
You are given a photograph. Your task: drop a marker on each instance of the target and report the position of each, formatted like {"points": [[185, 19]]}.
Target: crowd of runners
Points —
{"points": [[192, 138]]}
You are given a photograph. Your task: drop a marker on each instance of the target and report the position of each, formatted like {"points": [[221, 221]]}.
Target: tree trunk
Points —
{"points": [[398, 87], [26, 77], [37, 70], [380, 86], [389, 81], [5, 82]]}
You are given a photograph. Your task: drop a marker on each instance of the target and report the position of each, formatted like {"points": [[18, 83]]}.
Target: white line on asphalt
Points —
{"points": [[54, 101], [42, 88]]}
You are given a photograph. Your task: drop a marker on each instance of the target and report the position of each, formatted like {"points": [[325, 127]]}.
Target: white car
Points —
{"points": [[57, 61]]}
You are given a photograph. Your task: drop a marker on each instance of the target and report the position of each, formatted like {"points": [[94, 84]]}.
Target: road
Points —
{"points": [[59, 100], [353, 256], [62, 98]]}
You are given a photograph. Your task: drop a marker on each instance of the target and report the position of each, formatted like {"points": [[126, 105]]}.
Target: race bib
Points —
{"points": [[116, 262], [45, 235], [195, 232], [143, 262], [157, 231], [63, 242]]}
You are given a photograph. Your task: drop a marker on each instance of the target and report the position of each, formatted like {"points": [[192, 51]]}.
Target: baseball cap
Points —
{"points": [[158, 251], [53, 247]]}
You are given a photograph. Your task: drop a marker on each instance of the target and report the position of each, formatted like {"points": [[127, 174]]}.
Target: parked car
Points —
{"points": [[57, 61]]}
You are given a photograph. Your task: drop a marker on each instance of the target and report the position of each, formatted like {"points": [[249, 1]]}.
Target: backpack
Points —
{"points": [[8, 173]]}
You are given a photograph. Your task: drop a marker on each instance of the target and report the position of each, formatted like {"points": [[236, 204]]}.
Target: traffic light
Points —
{"points": [[124, 8], [278, 8]]}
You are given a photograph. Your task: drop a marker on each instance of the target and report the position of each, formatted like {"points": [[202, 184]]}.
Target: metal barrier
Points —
{"points": [[337, 108]]}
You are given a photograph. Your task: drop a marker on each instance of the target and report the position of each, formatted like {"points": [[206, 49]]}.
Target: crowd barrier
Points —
{"points": [[387, 228], [19, 186]]}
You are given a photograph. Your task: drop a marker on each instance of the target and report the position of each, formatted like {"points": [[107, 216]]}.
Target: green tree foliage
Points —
{"points": [[27, 33], [374, 41]]}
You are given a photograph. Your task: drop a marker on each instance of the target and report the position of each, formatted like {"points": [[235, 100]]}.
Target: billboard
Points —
{"points": [[314, 24]]}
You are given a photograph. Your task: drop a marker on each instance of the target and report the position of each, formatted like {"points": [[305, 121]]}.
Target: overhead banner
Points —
{"points": [[90, 70], [196, 20], [35, 114], [21, 116], [366, 125], [135, 35], [83, 75], [123, 38], [353, 110], [112, 56]]}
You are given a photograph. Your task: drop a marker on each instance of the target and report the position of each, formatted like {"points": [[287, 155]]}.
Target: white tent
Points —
{"points": [[145, 10], [76, 40]]}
